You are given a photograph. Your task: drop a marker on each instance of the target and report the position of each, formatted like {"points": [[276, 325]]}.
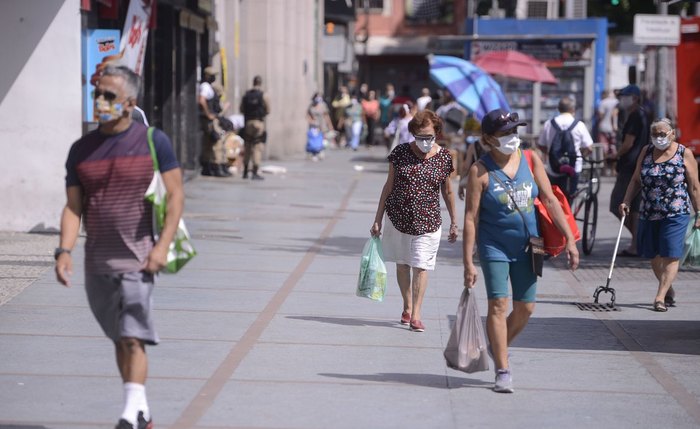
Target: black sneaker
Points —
{"points": [[257, 177], [123, 424], [142, 423]]}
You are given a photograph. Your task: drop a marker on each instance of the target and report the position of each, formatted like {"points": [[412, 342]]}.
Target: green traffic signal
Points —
{"points": [[615, 2]]}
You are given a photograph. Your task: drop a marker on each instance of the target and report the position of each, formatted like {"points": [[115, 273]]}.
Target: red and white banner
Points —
{"points": [[135, 34]]}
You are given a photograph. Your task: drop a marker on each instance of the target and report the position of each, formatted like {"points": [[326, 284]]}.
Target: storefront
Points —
{"points": [[180, 43], [574, 50]]}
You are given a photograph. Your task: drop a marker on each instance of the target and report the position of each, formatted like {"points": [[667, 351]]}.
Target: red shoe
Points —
{"points": [[405, 318], [417, 326]]}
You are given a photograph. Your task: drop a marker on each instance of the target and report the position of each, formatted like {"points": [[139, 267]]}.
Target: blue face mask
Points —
{"points": [[108, 111]]}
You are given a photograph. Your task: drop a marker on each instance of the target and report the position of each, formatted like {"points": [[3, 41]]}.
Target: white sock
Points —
{"points": [[144, 406], [134, 397]]}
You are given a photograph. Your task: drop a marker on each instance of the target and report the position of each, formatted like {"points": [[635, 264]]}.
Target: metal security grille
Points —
{"points": [[371, 4], [590, 306]]}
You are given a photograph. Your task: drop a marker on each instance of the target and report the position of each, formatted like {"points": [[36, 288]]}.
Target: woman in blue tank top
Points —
{"points": [[667, 175], [501, 191]]}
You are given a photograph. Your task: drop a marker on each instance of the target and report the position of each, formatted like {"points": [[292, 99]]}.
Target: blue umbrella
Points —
{"points": [[472, 87]]}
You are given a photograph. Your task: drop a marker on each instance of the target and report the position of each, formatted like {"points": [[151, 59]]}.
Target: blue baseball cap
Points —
{"points": [[631, 90]]}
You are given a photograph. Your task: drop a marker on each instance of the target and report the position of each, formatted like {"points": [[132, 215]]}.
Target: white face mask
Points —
{"points": [[425, 144], [508, 144], [626, 101], [661, 143]]}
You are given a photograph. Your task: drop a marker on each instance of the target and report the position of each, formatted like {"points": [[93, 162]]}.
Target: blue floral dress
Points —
{"points": [[664, 189]]}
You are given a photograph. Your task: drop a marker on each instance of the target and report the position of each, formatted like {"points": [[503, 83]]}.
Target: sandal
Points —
{"points": [[670, 298], [660, 306]]}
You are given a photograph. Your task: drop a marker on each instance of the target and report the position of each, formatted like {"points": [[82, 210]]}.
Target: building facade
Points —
{"points": [[43, 104]]}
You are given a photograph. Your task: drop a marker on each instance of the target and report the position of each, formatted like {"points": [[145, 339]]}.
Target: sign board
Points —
{"points": [[657, 30], [96, 46]]}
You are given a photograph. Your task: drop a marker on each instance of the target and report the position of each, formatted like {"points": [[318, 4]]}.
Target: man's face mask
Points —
{"points": [[106, 108]]}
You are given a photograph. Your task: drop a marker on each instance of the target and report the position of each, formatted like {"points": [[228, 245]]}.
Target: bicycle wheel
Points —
{"points": [[590, 220], [577, 203], [595, 180]]}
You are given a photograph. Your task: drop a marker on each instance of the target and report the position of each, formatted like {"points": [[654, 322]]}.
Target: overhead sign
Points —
{"points": [[658, 30]]}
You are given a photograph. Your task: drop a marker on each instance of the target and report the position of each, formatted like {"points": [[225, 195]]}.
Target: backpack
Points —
{"points": [[562, 151], [254, 105]]}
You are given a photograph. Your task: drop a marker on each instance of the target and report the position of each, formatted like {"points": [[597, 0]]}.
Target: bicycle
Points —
{"points": [[586, 197]]}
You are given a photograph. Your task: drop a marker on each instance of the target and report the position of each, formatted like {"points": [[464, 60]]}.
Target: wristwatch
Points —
{"points": [[58, 251]]}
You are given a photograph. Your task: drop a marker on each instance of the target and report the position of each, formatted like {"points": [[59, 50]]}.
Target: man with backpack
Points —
{"points": [[255, 108], [563, 141]]}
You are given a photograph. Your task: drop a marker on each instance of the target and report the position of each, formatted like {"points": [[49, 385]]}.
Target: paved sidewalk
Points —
{"points": [[263, 330]]}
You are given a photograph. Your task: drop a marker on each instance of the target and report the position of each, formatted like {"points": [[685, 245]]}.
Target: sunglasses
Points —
{"points": [[108, 95], [423, 137], [662, 134], [508, 117]]}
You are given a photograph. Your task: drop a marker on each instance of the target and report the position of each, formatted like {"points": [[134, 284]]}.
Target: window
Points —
{"points": [[429, 11]]}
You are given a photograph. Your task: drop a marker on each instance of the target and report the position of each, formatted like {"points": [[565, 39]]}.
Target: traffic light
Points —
{"points": [[330, 27], [615, 2]]}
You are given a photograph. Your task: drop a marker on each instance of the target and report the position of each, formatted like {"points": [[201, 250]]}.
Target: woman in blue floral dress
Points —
{"points": [[667, 175]]}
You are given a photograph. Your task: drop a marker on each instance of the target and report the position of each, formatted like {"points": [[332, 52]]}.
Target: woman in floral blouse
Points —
{"points": [[419, 171], [667, 175]]}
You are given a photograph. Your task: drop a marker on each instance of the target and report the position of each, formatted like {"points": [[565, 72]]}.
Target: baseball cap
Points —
{"points": [[210, 71], [631, 90], [500, 120]]}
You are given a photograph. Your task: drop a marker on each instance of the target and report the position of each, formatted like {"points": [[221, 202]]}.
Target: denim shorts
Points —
{"points": [[522, 279], [122, 304], [663, 237]]}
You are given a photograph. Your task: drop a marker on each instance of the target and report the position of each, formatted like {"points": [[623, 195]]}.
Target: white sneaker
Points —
{"points": [[504, 381]]}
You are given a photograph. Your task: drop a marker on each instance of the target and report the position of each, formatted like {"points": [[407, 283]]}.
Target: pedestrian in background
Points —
{"points": [[319, 119], [339, 104], [418, 173], [255, 107], [370, 107], [567, 182], [354, 122], [635, 135], [107, 174], [397, 131], [501, 179], [667, 175], [423, 102], [385, 102], [607, 129], [213, 157]]}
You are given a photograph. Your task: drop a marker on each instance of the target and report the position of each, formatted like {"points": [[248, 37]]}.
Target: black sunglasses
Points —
{"points": [[108, 95], [508, 117]]}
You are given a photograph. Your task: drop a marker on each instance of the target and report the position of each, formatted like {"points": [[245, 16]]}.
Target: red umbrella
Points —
{"points": [[516, 65]]}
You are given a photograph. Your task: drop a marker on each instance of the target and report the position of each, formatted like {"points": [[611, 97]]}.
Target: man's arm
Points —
{"points": [[266, 103], [175, 206], [70, 227], [205, 107]]}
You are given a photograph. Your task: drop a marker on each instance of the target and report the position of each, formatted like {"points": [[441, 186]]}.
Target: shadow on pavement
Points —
{"points": [[349, 321], [423, 380], [22, 427], [569, 333]]}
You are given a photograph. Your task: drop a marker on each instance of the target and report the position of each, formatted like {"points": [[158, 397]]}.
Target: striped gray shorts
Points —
{"points": [[122, 304]]}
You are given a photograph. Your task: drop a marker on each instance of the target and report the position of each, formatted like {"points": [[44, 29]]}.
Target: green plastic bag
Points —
{"points": [[691, 252], [181, 249], [372, 280]]}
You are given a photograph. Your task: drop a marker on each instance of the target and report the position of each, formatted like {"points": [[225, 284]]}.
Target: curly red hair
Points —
{"points": [[423, 119]]}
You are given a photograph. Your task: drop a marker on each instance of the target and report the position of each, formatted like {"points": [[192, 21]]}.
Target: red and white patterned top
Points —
{"points": [[413, 206]]}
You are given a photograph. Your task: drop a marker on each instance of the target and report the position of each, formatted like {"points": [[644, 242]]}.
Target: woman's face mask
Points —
{"points": [[508, 144], [425, 143], [661, 142]]}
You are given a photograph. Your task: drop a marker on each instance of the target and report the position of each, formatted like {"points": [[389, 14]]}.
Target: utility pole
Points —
{"points": [[661, 65]]}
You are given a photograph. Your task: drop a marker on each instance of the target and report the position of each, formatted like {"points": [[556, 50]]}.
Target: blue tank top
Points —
{"points": [[501, 233]]}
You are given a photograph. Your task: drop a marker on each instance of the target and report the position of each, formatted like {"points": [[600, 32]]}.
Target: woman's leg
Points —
{"points": [[497, 331], [669, 270], [518, 318], [403, 276], [420, 284], [524, 283]]}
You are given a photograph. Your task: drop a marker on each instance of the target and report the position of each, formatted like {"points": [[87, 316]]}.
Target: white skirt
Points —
{"points": [[417, 251]]}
